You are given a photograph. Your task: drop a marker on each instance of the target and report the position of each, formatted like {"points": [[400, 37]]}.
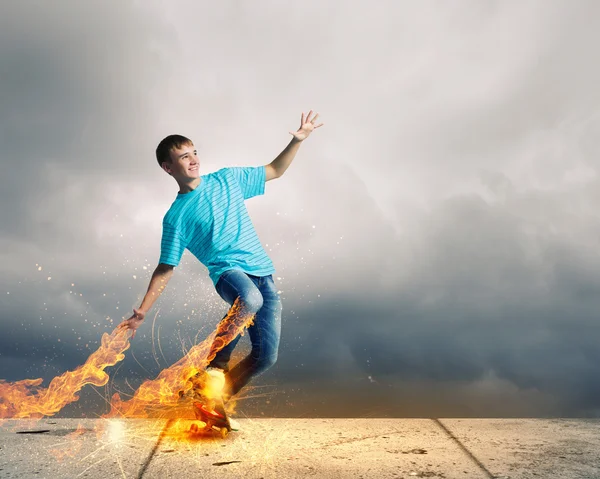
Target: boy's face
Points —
{"points": [[184, 163]]}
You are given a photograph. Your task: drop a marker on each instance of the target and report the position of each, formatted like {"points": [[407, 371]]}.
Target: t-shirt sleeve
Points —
{"points": [[251, 179], [172, 245]]}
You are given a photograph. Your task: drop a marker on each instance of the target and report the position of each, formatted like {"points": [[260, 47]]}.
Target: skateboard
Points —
{"points": [[215, 418], [208, 406]]}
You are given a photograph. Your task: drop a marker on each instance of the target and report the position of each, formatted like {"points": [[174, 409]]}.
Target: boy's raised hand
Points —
{"points": [[306, 127], [133, 322]]}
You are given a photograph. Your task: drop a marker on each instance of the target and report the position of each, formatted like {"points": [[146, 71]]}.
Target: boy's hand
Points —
{"points": [[133, 322], [306, 127]]}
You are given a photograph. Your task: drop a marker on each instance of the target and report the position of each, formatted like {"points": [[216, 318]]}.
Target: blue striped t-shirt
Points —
{"points": [[213, 224]]}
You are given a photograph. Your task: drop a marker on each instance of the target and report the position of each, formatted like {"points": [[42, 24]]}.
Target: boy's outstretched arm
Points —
{"points": [[278, 166], [161, 276]]}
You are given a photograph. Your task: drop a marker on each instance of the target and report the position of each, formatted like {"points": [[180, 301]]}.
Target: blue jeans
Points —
{"points": [[257, 295]]}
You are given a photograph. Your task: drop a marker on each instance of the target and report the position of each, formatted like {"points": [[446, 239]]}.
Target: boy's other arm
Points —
{"points": [[161, 276], [278, 166]]}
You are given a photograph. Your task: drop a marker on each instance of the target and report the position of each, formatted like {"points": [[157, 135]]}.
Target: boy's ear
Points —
{"points": [[166, 167]]}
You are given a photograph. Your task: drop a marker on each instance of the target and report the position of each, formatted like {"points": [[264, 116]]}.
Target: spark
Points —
{"points": [[159, 346], [153, 347], [116, 431]]}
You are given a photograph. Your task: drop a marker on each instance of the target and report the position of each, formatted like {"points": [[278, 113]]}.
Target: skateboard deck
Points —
{"points": [[215, 418]]}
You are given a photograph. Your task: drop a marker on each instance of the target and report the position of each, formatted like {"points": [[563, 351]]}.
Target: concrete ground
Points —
{"points": [[291, 448]]}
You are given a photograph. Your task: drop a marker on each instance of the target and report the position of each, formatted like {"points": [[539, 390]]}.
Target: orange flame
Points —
{"points": [[23, 399], [160, 397]]}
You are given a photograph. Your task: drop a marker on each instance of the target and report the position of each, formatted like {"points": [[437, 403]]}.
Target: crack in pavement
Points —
{"points": [[154, 449], [464, 448]]}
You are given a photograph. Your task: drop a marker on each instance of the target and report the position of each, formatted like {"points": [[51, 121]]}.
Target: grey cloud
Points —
{"points": [[435, 241]]}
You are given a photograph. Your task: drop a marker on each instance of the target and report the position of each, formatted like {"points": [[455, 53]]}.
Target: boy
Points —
{"points": [[209, 218]]}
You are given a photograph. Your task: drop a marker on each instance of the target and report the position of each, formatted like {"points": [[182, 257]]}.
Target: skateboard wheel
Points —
{"points": [[224, 431], [194, 427]]}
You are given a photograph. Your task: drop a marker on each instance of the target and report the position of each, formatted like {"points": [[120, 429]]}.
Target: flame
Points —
{"points": [[24, 399], [157, 398], [160, 397]]}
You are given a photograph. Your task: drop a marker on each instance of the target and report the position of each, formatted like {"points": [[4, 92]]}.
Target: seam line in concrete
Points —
{"points": [[154, 449], [464, 448]]}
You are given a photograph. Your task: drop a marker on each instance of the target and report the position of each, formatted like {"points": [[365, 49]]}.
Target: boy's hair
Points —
{"points": [[164, 148]]}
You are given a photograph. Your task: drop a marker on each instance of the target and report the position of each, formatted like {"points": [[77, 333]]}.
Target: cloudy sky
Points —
{"points": [[437, 241]]}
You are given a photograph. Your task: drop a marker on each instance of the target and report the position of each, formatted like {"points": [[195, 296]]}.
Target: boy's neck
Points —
{"points": [[191, 186]]}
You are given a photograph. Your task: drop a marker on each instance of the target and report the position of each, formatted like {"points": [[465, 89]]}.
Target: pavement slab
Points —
{"points": [[293, 448], [86, 448], [532, 448], [324, 448]]}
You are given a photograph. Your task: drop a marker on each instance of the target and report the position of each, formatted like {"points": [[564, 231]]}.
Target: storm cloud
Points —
{"points": [[436, 241]]}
